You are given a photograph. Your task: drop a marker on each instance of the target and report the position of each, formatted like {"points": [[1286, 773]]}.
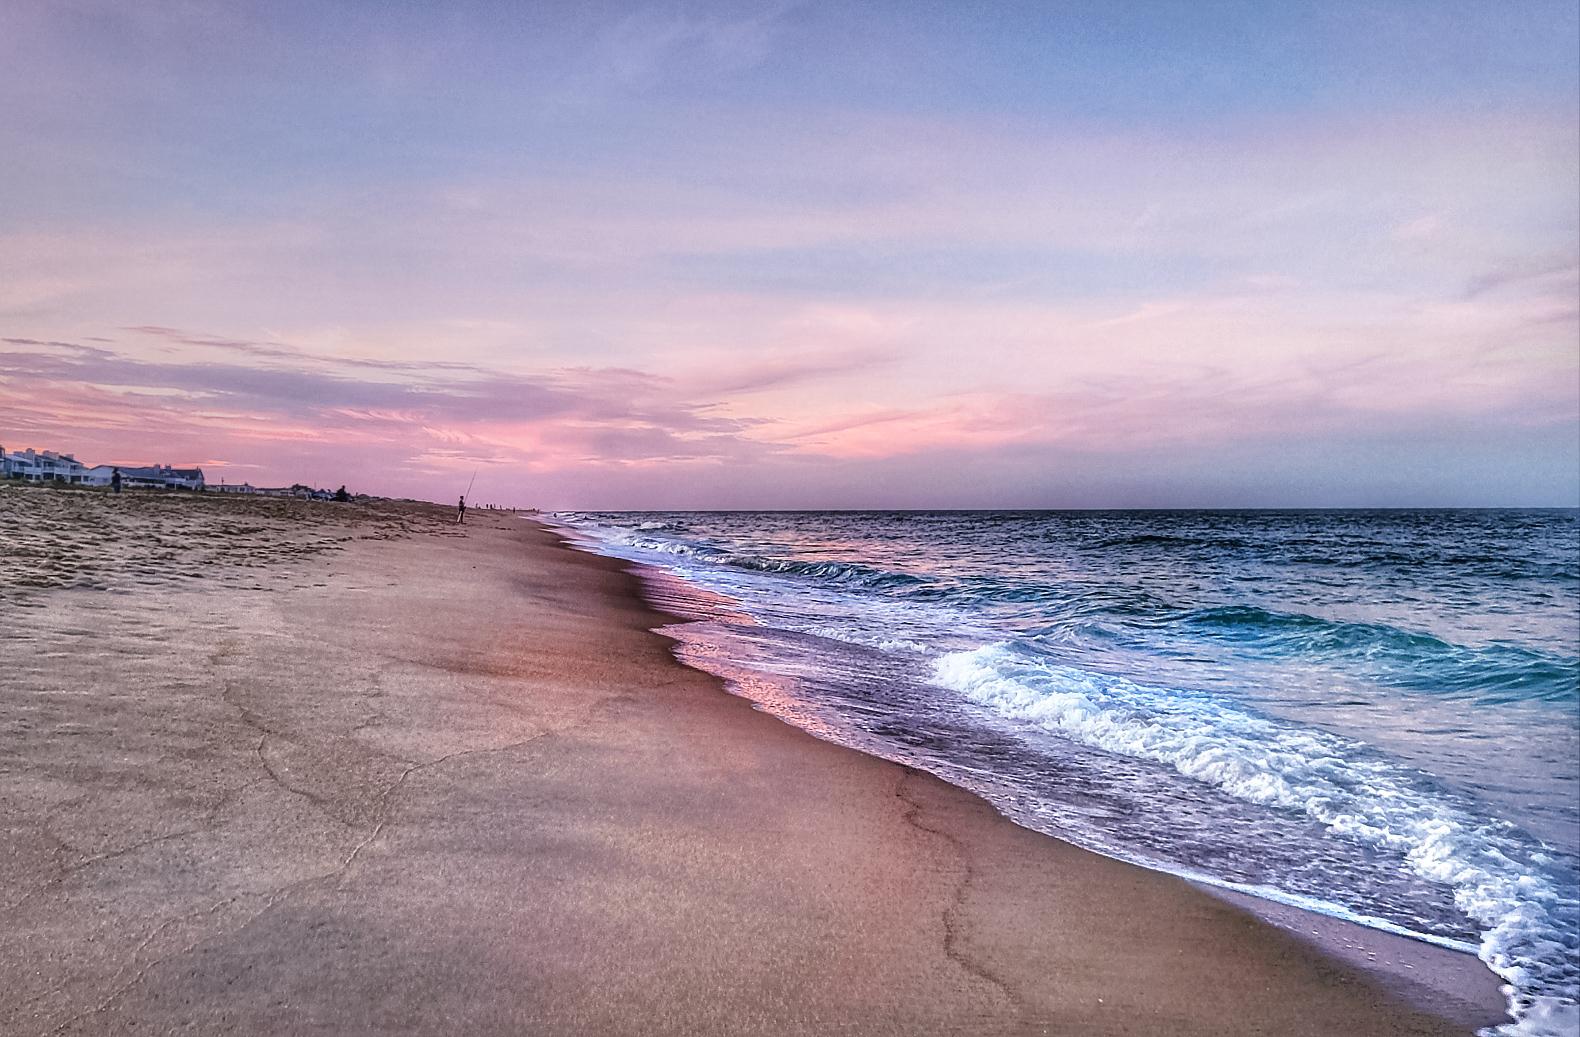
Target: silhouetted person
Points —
{"points": [[115, 480], [342, 495], [460, 510]]}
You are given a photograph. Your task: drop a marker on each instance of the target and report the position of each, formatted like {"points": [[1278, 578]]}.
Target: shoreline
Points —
{"points": [[378, 773], [1429, 977]]}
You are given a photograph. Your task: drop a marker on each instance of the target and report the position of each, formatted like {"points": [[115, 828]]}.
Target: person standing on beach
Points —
{"points": [[460, 510], [115, 480]]}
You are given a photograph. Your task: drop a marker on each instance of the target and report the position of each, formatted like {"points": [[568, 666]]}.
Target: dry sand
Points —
{"points": [[276, 767]]}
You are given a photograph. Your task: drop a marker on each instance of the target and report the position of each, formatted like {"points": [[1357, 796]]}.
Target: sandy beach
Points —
{"points": [[283, 767]]}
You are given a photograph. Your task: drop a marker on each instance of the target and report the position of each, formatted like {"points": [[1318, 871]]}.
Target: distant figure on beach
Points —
{"points": [[460, 509], [342, 495], [115, 480]]}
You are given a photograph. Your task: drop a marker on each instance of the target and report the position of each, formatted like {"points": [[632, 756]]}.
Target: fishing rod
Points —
{"points": [[460, 514]]}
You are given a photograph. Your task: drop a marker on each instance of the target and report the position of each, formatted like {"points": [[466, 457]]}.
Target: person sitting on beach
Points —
{"points": [[460, 512]]}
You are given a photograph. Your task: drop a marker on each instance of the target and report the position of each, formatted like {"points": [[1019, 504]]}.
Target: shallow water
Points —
{"points": [[1376, 714]]}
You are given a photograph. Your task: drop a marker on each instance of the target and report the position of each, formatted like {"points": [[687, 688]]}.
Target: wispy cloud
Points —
{"points": [[265, 400], [807, 364], [1549, 272], [396, 394], [275, 351], [653, 44]]}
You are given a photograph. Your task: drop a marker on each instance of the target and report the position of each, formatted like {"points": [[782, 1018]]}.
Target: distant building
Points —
{"points": [[48, 466], [42, 466], [162, 477], [301, 491], [150, 477]]}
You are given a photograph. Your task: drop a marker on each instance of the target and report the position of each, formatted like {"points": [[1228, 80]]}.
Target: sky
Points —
{"points": [[801, 255]]}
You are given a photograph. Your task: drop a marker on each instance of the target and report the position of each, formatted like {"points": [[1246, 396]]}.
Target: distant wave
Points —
{"points": [[1476, 566], [840, 572], [1331, 551], [1400, 658], [1165, 540]]}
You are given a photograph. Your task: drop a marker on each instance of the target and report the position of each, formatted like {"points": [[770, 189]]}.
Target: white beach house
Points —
{"points": [[149, 477], [162, 477], [48, 466], [41, 466]]}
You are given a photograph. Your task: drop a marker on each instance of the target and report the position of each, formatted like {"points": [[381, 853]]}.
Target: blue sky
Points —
{"points": [[665, 255]]}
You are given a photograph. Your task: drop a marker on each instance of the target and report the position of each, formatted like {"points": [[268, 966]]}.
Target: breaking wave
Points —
{"points": [[1500, 878]]}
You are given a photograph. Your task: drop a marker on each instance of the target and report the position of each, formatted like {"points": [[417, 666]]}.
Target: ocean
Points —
{"points": [[1372, 714]]}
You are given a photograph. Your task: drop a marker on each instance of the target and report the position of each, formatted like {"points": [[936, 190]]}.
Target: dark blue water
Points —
{"points": [[1375, 714]]}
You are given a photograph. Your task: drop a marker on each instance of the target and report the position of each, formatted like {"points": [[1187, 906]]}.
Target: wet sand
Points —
{"points": [[350, 769]]}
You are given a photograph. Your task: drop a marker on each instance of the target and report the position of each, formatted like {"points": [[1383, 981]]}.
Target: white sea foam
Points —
{"points": [[1497, 879], [724, 570], [1541, 1017], [853, 635]]}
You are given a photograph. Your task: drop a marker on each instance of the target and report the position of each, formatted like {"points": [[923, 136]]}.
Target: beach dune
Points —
{"points": [[279, 767]]}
